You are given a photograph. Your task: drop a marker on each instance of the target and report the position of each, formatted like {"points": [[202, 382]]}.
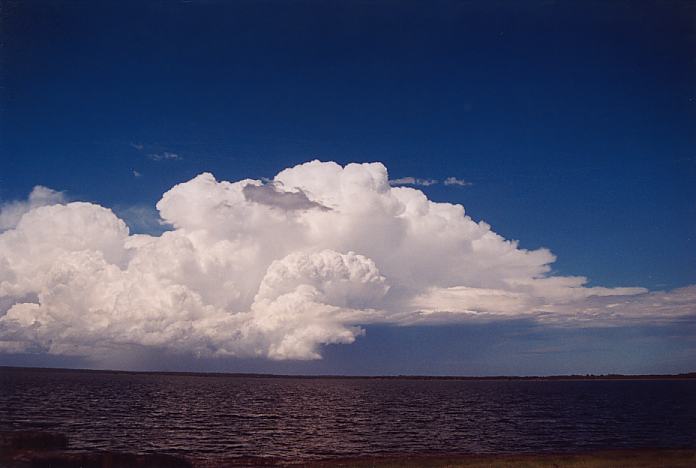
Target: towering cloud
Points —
{"points": [[277, 269]]}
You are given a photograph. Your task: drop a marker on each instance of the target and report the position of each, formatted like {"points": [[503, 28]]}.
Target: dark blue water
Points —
{"points": [[289, 418]]}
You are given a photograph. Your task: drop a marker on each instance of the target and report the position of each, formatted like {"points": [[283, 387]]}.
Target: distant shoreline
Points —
{"points": [[572, 377]]}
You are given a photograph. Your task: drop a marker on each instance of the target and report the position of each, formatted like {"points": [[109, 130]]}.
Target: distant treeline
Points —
{"points": [[683, 376]]}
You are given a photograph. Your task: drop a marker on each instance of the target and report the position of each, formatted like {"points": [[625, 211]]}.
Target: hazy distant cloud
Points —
{"points": [[455, 181], [255, 269], [136, 173], [413, 181], [271, 194], [142, 219], [164, 156], [137, 146], [11, 212]]}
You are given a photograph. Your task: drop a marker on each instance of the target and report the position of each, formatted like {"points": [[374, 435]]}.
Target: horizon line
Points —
{"points": [[611, 376]]}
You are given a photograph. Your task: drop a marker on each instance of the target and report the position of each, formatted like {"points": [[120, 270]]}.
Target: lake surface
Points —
{"points": [[294, 418]]}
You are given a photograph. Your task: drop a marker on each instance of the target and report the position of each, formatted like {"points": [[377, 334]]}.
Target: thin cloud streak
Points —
{"points": [[455, 181], [450, 181], [164, 156], [413, 181]]}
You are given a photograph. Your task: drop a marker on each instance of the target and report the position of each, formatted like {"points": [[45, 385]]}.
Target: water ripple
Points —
{"points": [[226, 416]]}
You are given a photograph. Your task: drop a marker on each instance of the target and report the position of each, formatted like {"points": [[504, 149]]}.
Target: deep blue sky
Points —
{"points": [[575, 121]]}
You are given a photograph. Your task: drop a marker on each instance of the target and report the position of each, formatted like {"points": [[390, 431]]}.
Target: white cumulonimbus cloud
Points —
{"points": [[278, 268]]}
